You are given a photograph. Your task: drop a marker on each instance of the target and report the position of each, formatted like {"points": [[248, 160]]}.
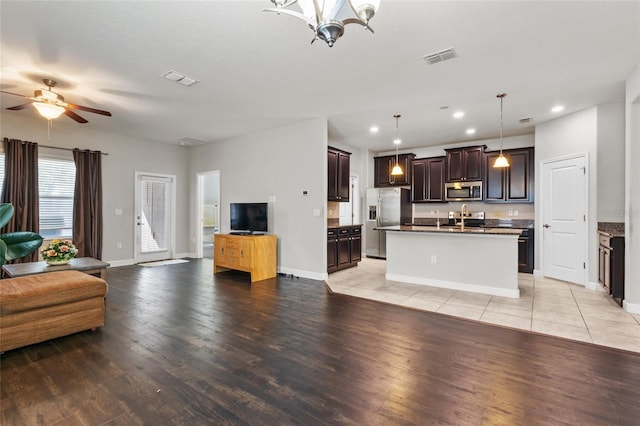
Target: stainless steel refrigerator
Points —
{"points": [[385, 207]]}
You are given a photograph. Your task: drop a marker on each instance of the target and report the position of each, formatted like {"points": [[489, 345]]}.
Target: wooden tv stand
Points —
{"points": [[255, 254]]}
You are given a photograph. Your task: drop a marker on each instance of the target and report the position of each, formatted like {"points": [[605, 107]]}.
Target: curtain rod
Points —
{"points": [[66, 149]]}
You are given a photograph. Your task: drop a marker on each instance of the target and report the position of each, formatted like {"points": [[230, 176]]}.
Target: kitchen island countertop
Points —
{"points": [[452, 229]]}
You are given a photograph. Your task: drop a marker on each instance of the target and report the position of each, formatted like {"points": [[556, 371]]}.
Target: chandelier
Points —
{"points": [[327, 18]]}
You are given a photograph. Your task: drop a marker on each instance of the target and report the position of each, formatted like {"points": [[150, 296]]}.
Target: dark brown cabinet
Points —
{"points": [[465, 163], [344, 247], [513, 184], [525, 251], [382, 170], [427, 180], [611, 265], [338, 168]]}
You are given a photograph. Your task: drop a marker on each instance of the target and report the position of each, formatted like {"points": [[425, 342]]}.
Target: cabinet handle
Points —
{"points": [[546, 225], [241, 253], [222, 250]]}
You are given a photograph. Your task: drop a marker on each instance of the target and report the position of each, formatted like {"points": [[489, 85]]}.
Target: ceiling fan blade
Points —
{"points": [[74, 116], [19, 107], [93, 110], [15, 94]]}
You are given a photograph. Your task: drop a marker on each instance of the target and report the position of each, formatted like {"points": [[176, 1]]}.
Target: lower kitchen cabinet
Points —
{"points": [[525, 251], [344, 247], [611, 265]]}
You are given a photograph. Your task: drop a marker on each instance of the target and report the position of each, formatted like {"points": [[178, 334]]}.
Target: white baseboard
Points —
{"points": [[302, 274], [593, 286], [119, 262], [537, 273], [632, 308]]}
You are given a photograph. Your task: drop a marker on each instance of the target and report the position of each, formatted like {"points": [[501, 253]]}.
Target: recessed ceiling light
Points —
{"points": [[374, 129], [471, 131], [557, 108], [458, 114]]}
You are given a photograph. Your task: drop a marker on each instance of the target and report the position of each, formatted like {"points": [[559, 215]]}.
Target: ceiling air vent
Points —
{"points": [[526, 120], [440, 56]]}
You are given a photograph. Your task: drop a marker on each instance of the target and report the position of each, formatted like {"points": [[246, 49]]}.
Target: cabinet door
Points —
{"points": [[344, 251], [518, 182], [473, 163], [382, 169], [419, 180], [343, 176], [356, 244], [219, 249], [454, 165], [435, 189], [404, 160], [245, 253], [332, 175], [383, 166], [332, 253], [494, 182]]}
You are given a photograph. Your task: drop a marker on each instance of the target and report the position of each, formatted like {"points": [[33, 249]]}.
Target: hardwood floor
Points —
{"points": [[179, 347]]}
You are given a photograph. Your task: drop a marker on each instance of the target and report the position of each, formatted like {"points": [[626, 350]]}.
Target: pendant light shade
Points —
{"points": [[501, 161], [397, 170]]}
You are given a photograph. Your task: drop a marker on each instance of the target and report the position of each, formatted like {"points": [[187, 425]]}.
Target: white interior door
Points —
{"points": [[564, 219], [155, 217], [208, 208]]}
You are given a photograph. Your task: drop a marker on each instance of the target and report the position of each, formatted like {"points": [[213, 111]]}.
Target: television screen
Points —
{"points": [[249, 217]]}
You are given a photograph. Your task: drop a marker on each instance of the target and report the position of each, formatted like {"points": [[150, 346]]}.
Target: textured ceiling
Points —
{"points": [[258, 70]]}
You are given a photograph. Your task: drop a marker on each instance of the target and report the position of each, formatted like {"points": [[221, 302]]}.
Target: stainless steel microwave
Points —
{"points": [[463, 191]]}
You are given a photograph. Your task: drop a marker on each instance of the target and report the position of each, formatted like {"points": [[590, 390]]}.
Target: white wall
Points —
{"points": [[572, 134], [278, 163], [610, 163], [126, 155], [632, 193]]}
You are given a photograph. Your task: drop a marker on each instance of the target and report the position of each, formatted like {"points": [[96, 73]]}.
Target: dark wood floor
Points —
{"points": [[182, 348]]}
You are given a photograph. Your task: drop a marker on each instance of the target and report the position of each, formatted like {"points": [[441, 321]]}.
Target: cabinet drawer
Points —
{"points": [[356, 231], [332, 233], [344, 232]]}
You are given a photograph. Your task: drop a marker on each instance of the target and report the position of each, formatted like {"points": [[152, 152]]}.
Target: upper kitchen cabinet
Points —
{"points": [[338, 174], [427, 180], [383, 166], [513, 184], [465, 163]]}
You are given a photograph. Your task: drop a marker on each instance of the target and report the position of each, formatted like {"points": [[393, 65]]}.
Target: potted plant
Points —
{"points": [[14, 245]]}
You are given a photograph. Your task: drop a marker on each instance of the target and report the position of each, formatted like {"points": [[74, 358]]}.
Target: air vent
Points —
{"points": [[440, 56], [179, 78], [526, 120]]}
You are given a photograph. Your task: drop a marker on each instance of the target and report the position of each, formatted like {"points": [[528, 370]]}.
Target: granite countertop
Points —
{"points": [[342, 226], [611, 229], [452, 230], [611, 233]]}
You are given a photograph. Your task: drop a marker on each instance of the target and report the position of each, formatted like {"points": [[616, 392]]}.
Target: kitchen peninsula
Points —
{"points": [[480, 260]]}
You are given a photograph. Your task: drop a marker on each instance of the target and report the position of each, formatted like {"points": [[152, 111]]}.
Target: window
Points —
{"points": [[56, 183]]}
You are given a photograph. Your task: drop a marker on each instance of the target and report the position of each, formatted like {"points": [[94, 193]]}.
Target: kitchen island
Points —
{"points": [[480, 260]]}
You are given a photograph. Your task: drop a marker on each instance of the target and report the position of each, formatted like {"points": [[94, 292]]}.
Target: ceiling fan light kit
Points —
{"points": [[322, 16], [51, 105]]}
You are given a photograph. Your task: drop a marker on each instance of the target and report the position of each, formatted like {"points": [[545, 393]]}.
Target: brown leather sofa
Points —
{"points": [[36, 308]]}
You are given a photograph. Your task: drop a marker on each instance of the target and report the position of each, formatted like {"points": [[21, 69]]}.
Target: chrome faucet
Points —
{"points": [[463, 209]]}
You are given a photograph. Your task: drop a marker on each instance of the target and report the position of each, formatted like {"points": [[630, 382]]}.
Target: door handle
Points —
{"points": [[546, 225]]}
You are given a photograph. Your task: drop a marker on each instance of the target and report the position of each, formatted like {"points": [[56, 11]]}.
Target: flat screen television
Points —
{"points": [[249, 218]]}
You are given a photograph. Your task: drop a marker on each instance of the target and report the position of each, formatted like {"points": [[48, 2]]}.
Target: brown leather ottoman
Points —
{"points": [[35, 308]]}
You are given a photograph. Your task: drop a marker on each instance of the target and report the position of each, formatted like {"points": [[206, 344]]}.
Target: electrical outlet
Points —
{"points": [[515, 212], [434, 259], [118, 245]]}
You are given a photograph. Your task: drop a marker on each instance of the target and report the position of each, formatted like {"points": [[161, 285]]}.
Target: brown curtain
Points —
{"points": [[20, 188], [87, 204]]}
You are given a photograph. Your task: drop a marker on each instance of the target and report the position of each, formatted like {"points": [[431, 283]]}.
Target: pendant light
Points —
{"points": [[501, 161], [397, 170]]}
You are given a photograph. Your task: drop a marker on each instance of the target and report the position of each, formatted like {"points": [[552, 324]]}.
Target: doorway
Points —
{"points": [[350, 212], [564, 219], [208, 211], [155, 217]]}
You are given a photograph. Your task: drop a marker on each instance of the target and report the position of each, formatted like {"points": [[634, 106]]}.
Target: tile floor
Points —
{"points": [[545, 305]]}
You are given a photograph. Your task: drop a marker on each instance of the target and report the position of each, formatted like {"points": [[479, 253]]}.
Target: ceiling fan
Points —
{"points": [[51, 105]]}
